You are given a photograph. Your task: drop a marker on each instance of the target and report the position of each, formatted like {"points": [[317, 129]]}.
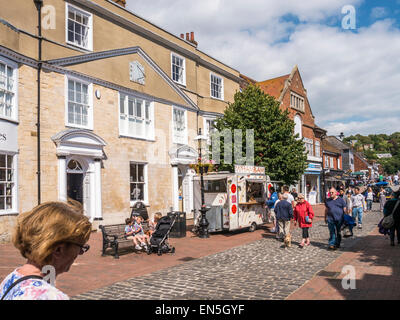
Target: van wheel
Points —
{"points": [[253, 227]]}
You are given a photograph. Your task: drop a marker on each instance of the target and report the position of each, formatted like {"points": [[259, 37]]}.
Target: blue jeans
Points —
{"points": [[357, 212], [369, 205], [335, 237]]}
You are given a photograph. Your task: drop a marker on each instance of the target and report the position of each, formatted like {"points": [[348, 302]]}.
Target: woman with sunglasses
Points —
{"points": [[50, 237]]}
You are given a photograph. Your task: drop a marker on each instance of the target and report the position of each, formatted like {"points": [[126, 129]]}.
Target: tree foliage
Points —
{"points": [[275, 146]]}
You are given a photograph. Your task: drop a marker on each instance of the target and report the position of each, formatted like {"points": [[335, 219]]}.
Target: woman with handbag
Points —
{"points": [[391, 211], [303, 214]]}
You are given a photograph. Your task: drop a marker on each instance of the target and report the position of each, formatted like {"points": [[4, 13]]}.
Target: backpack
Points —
{"points": [[388, 221]]}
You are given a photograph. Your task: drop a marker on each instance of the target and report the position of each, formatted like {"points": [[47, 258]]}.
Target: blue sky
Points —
{"points": [[352, 77]]}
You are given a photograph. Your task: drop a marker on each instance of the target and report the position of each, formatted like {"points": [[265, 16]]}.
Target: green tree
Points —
{"points": [[275, 146]]}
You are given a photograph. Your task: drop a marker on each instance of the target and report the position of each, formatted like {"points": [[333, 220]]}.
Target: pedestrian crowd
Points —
{"points": [[344, 210]]}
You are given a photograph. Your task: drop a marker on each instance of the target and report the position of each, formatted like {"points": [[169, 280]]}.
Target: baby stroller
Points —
{"points": [[159, 238], [348, 225]]}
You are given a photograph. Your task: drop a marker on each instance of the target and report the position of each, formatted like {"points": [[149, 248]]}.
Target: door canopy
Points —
{"points": [[183, 155], [79, 142]]}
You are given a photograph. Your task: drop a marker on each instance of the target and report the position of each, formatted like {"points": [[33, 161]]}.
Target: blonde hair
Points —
{"points": [[39, 231]]}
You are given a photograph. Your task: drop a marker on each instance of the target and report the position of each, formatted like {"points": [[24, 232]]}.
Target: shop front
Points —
{"points": [[311, 183], [8, 168]]}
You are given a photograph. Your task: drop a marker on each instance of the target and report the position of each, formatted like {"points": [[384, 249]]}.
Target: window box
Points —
{"points": [[136, 117]]}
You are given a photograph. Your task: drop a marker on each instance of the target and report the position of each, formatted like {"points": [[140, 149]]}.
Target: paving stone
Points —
{"points": [[258, 270]]}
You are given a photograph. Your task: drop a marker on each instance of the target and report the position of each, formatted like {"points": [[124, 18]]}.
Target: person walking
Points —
{"points": [[369, 198], [289, 198], [50, 237], [294, 194], [382, 199], [303, 215], [358, 206], [271, 205], [396, 179], [284, 213], [392, 206], [335, 208]]}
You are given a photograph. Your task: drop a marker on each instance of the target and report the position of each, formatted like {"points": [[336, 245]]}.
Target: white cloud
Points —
{"points": [[378, 12], [352, 78]]}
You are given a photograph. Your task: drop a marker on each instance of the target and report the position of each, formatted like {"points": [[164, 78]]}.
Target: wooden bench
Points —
{"points": [[114, 236]]}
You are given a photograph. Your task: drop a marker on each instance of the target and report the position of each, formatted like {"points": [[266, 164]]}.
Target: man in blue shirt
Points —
{"points": [[271, 205], [335, 208], [284, 213]]}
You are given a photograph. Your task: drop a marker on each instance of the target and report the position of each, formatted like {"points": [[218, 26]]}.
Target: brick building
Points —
{"points": [[121, 101], [289, 90], [332, 165]]}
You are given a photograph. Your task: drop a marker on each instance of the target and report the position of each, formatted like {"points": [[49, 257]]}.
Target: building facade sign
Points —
{"points": [[313, 168], [8, 136], [249, 169]]}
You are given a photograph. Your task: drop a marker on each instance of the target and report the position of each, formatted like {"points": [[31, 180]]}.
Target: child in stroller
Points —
{"points": [[159, 238], [348, 225]]}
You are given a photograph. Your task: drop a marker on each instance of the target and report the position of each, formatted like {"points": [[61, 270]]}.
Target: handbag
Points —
{"points": [[388, 221]]}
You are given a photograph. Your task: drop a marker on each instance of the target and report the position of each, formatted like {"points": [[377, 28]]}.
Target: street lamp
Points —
{"points": [[203, 230]]}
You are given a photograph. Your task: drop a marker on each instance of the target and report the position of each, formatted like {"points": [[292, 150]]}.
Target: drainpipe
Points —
{"points": [[39, 5]]}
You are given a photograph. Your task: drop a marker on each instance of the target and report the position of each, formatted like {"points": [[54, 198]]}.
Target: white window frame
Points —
{"points": [[183, 80], [14, 190], [146, 183], [331, 163], [301, 126], [296, 101], [317, 148], [184, 138], [309, 144], [89, 46], [90, 103], [326, 161], [222, 86], [338, 164], [207, 132], [14, 108], [148, 124]]}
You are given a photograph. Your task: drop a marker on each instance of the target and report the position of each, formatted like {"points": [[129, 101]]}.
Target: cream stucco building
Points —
{"points": [[121, 101]]}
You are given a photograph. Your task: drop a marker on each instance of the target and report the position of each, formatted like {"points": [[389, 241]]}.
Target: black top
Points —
{"points": [[388, 208]]}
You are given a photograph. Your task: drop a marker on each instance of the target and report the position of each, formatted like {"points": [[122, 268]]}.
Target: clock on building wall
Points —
{"points": [[136, 72]]}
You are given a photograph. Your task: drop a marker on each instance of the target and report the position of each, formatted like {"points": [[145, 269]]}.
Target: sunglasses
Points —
{"points": [[83, 248]]}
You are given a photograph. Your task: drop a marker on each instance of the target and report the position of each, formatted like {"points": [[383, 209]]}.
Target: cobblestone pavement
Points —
{"points": [[260, 270]]}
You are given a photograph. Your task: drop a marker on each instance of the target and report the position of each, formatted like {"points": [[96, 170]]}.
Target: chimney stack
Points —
{"points": [[122, 3], [189, 37]]}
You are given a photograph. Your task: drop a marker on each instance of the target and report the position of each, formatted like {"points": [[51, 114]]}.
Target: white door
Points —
{"points": [[86, 195]]}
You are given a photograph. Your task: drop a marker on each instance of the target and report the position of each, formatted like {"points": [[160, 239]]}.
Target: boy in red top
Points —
{"points": [[303, 214]]}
